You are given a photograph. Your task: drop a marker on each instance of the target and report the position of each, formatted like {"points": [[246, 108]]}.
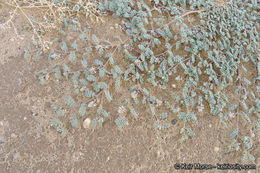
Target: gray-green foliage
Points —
{"points": [[227, 34], [101, 111], [82, 110], [121, 121], [58, 111], [73, 120], [59, 126], [70, 102], [216, 50]]}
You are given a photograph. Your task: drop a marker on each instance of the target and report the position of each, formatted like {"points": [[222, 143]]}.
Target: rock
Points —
{"points": [[173, 85], [86, 123], [174, 121], [13, 135], [15, 155], [216, 149]]}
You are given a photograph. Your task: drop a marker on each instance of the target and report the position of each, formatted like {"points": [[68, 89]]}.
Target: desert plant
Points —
{"points": [[203, 46]]}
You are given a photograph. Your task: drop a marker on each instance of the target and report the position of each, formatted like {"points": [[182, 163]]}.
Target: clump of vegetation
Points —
{"points": [[54, 13], [205, 47]]}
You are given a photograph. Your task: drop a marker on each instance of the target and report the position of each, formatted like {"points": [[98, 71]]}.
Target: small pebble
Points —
{"points": [[182, 130], [219, 158], [1, 142], [86, 123], [216, 149], [34, 113], [15, 155], [158, 153], [108, 158], [174, 121], [173, 85], [13, 135]]}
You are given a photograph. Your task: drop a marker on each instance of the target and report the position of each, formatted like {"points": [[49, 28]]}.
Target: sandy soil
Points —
{"points": [[29, 144]]}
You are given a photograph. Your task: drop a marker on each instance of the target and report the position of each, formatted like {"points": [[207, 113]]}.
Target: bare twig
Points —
{"points": [[191, 12]]}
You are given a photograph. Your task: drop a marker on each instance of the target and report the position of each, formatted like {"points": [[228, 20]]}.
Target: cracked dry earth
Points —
{"points": [[29, 144]]}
